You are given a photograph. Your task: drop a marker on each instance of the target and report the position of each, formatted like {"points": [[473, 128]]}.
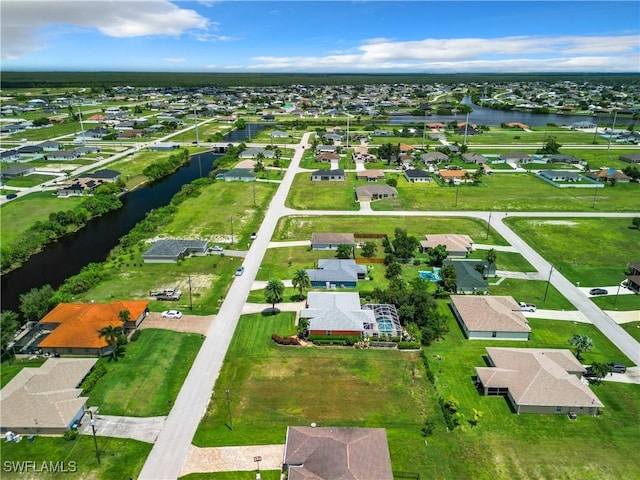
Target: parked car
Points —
{"points": [[618, 367], [527, 307], [216, 249], [598, 291], [11, 195], [172, 314], [254, 235], [239, 270]]}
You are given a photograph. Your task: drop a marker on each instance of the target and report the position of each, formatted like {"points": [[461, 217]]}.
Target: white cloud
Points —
{"points": [[22, 21], [174, 60], [519, 53]]}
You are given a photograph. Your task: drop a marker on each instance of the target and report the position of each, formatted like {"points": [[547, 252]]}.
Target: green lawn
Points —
{"points": [[119, 458], [273, 387], [537, 136], [510, 261], [633, 329], [146, 380], [300, 227], [622, 303], [511, 192], [28, 180], [531, 291], [24, 211], [323, 195], [592, 251]]}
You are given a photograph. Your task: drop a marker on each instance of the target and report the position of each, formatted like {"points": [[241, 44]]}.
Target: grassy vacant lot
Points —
{"points": [[600, 157], [147, 379], [28, 180], [273, 387], [537, 136], [592, 251], [26, 210], [300, 227], [120, 458], [306, 194], [209, 214], [506, 445], [131, 166], [132, 279], [512, 192], [532, 291]]}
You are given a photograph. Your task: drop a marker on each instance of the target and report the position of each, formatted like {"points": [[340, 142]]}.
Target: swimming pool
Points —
{"points": [[433, 276]]}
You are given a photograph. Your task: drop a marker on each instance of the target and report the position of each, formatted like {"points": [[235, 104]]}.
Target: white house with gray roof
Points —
{"points": [[335, 273], [338, 314]]}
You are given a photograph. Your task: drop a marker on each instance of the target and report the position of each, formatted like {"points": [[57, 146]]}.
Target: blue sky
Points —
{"points": [[321, 37]]}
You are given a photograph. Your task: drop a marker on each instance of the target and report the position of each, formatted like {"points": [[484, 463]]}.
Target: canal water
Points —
{"points": [[488, 116], [92, 244]]}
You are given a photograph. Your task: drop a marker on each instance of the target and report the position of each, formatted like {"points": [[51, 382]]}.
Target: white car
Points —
{"points": [[172, 314], [216, 249], [527, 307]]}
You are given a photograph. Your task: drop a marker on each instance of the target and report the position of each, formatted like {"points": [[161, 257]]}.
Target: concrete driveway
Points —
{"points": [[144, 429], [233, 459]]}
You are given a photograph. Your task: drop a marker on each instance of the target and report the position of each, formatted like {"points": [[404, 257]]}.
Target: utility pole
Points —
{"points": [[424, 129], [227, 392], [254, 193], [231, 219], [595, 197], [95, 440], [488, 225], [546, 290], [457, 189], [196, 122], [615, 114], [190, 300], [615, 302], [466, 128]]}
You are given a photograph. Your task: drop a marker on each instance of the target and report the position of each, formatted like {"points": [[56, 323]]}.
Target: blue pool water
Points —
{"points": [[433, 276]]}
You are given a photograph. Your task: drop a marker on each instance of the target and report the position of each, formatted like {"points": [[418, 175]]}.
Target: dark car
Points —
{"points": [[598, 291], [11, 196]]}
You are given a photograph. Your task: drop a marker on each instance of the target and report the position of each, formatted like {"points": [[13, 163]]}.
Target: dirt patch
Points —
{"points": [[566, 223], [232, 459], [187, 324]]}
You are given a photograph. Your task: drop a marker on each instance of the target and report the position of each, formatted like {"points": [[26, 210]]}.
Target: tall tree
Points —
{"points": [[600, 370], [36, 302], [124, 316], [582, 343], [344, 251], [9, 323], [273, 292], [491, 256], [113, 336], [404, 245], [449, 278], [301, 281], [369, 249]]}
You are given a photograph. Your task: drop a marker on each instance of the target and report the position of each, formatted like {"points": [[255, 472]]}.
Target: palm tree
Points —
{"points": [[273, 292], [112, 336], [301, 281], [582, 343]]}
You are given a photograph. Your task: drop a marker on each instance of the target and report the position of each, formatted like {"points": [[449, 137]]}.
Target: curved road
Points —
{"points": [[172, 446]]}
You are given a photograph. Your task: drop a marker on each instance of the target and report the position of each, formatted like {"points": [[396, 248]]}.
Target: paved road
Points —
{"points": [[172, 446]]}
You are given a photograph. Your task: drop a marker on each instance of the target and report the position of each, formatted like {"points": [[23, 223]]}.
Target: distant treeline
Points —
{"points": [[160, 79]]}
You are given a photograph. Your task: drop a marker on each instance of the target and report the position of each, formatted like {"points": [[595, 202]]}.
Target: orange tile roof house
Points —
{"points": [[538, 380], [457, 245], [76, 326]]}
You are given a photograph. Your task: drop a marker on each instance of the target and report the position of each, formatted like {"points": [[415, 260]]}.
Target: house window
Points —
{"points": [[494, 334], [558, 409], [328, 333]]}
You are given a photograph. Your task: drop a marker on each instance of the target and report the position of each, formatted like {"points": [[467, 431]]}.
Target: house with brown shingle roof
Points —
{"points": [[490, 317], [369, 193], [45, 400], [370, 175], [457, 245], [76, 326], [330, 241], [538, 380], [330, 453]]}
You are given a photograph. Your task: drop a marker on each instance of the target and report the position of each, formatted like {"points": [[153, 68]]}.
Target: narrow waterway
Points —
{"points": [[92, 244]]}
